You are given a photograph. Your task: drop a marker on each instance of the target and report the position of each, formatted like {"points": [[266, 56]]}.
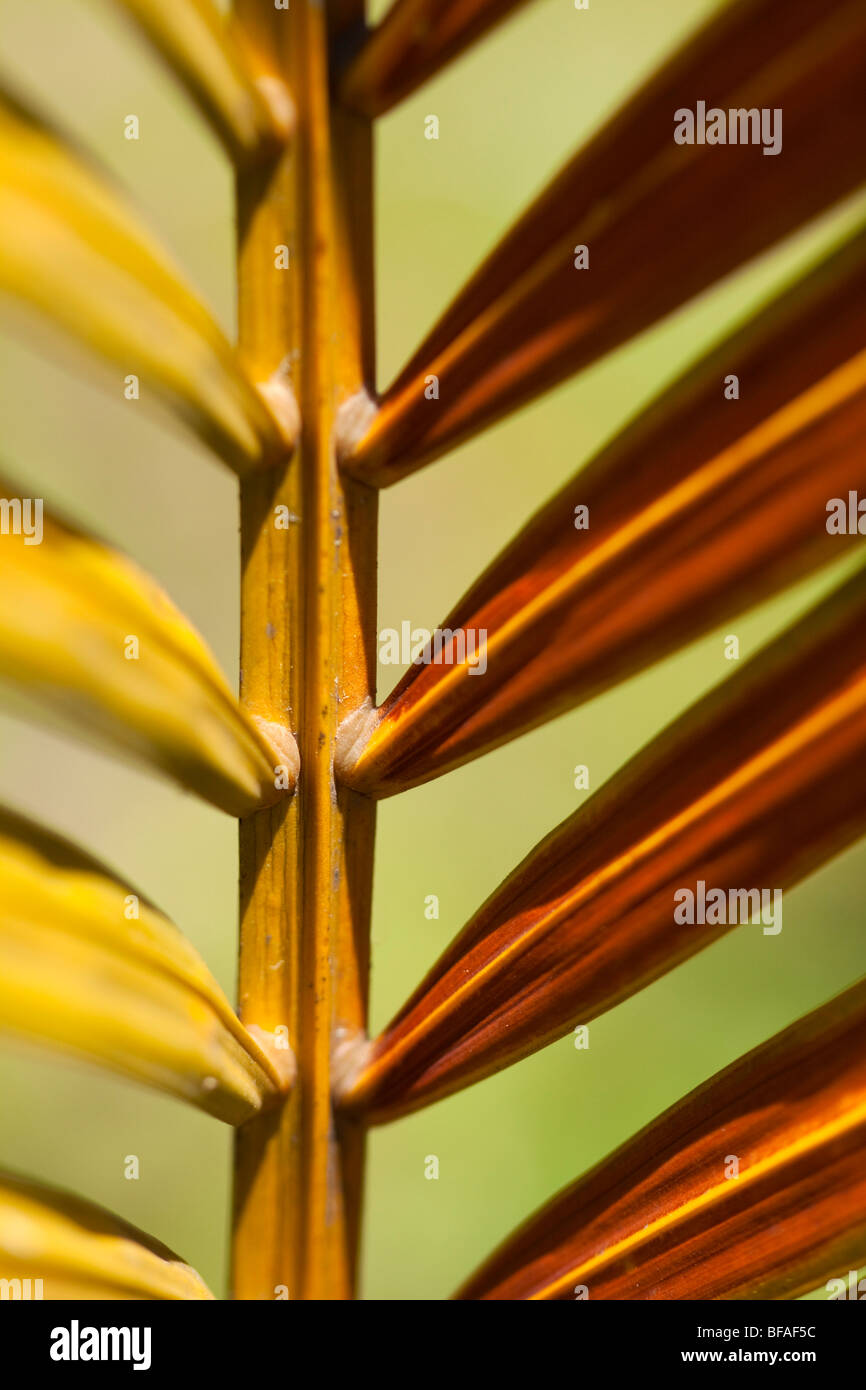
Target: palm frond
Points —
{"points": [[704, 504]]}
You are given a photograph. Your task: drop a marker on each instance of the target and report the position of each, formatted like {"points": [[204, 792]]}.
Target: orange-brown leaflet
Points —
{"points": [[701, 507], [726, 52], [662, 221], [756, 785], [414, 40], [661, 1218]]}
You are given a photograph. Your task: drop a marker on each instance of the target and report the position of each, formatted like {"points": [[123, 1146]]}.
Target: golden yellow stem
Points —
{"points": [[308, 659]]}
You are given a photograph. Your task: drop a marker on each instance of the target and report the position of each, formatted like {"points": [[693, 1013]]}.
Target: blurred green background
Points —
{"points": [[510, 112]]}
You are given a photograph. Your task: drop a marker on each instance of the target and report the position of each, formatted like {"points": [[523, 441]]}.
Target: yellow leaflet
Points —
{"points": [[67, 1248], [89, 966], [248, 113], [71, 250], [89, 635]]}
